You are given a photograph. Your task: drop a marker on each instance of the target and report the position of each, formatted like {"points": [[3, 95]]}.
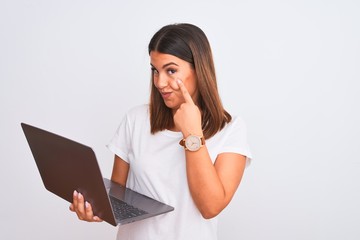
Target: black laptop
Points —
{"points": [[66, 165]]}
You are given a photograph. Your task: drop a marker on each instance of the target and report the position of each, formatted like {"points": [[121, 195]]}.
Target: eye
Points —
{"points": [[154, 71], [171, 71]]}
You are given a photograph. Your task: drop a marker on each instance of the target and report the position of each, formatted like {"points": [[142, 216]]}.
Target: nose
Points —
{"points": [[161, 81]]}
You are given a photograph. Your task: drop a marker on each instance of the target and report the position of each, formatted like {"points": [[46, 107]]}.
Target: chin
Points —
{"points": [[171, 105]]}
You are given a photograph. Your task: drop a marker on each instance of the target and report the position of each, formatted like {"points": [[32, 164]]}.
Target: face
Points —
{"points": [[166, 69]]}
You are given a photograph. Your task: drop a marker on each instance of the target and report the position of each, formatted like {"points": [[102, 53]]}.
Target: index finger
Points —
{"points": [[184, 91]]}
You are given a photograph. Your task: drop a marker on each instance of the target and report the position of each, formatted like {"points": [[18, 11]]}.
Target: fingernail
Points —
{"points": [[86, 204], [79, 195], [178, 80], [75, 193]]}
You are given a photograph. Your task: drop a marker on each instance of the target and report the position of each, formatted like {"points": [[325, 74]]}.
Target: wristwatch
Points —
{"points": [[192, 142]]}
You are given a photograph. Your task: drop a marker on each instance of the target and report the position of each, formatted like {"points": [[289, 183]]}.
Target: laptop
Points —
{"points": [[65, 165]]}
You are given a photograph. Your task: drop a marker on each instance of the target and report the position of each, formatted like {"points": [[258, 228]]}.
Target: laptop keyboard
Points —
{"points": [[123, 210]]}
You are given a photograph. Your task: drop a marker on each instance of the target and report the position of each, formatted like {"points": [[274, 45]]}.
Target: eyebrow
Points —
{"points": [[166, 65]]}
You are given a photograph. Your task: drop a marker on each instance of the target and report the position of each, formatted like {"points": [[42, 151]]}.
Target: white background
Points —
{"points": [[289, 68]]}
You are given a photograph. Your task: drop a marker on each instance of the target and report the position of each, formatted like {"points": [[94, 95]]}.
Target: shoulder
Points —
{"points": [[139, 109], [233, 138], [236, 123], [234, 133], [138, 112], [138, 118], [235, 129]]}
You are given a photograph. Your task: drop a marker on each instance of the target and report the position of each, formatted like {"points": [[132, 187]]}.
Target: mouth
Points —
{"points": [[165, 95]]}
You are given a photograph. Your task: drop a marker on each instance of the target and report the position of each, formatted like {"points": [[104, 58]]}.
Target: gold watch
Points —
{"points": [[192, 142]]}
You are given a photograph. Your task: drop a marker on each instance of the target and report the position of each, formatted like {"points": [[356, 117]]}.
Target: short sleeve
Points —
{"points": [[120, 143], [236, 139]]}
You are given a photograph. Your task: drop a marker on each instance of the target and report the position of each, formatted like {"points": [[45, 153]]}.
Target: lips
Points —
{"points": [[165, 95]]}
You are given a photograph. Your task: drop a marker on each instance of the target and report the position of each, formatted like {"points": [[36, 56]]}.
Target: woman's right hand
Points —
{"points": [[83, 209]]}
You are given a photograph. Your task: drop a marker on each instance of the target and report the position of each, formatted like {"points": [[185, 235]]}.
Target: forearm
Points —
{"points": [[205, 185], [120, 171]]}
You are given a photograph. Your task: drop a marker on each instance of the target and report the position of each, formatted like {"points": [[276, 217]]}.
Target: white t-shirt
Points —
{"points": [[157, 169]]}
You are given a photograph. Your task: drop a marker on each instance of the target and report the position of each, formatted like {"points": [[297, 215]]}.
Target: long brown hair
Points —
{"points": [[189, 43]]}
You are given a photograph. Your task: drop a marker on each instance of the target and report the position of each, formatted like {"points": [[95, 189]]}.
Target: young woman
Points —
{"points": [[182, 148]]}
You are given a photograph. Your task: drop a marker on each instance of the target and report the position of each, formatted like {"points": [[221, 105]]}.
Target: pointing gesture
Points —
{"points": [[185, 92], [187, 117]]}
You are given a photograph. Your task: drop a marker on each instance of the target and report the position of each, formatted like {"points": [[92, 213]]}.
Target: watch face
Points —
{"points": [[193, 143]]}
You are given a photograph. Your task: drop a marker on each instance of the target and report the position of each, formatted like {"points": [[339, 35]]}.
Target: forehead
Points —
{"points": [[160, 59]]}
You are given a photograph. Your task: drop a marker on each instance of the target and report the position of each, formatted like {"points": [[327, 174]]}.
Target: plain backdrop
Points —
{"points": [[290, 69]]}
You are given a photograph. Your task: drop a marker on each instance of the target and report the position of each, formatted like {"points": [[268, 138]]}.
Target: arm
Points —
{"points": [[212, 186], [120, 171]]}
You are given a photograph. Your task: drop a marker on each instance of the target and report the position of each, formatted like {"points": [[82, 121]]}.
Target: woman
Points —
{"points": [[200, 175]]}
